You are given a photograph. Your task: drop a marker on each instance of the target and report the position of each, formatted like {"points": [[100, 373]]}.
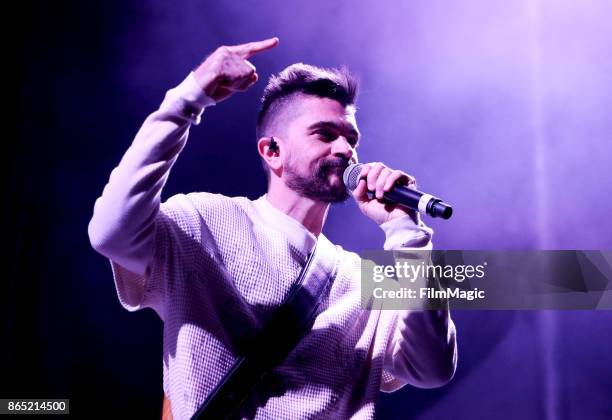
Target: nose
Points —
{"points": [[341, 147]]}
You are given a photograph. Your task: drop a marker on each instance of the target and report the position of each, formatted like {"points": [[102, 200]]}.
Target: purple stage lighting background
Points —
{"points": [[502, 108]]}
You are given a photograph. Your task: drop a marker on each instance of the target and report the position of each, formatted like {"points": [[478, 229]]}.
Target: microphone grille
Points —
{"points": [[351, 176]]}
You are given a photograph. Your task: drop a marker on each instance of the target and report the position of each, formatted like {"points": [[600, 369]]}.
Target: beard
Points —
{"points": [[318, 185]]}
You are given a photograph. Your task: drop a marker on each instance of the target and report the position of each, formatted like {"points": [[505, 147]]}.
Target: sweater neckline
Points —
{"points": [[296, 233]]}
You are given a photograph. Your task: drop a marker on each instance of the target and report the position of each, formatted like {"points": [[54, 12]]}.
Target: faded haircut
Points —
{"points": [[300, 78]]}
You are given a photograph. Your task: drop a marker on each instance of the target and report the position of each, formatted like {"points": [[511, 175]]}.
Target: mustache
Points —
{"points": [[333, 163]]}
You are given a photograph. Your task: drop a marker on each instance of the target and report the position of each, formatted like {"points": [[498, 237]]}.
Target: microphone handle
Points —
{"points": [[420, 201]]}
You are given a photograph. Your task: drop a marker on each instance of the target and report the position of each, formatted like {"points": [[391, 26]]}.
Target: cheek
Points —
{"points": [[295, 160], [288, 160]]}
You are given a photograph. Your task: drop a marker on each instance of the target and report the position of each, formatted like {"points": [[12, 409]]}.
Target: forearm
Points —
{"points": [[423, 349], [123, 224]]}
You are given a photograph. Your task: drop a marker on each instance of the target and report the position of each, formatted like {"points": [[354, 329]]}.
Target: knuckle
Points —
{"points": [[375, 168]]}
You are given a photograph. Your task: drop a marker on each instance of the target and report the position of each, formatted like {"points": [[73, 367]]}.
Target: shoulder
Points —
{"points": [[205, 202], [348, 260], [203, 206], [204, 216]]}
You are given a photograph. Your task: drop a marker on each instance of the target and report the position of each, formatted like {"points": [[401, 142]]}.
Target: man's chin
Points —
{"points": [[337, 192], [335, 179], [324, 188]]}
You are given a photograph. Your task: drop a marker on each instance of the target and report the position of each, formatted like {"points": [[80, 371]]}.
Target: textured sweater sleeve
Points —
{"points": [[423, 348], [123, 226]]}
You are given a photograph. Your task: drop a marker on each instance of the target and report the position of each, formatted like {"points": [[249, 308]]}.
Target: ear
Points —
{"points": [[270, 153]]}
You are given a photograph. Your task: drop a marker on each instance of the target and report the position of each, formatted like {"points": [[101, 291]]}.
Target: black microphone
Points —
{"points": [[413, 199]]}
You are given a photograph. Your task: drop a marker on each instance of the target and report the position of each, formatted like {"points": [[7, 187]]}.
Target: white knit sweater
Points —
{"points": [[214, 268]]}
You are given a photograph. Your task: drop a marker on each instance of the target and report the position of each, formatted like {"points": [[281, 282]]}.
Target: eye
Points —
{"points": [[326, 135]]}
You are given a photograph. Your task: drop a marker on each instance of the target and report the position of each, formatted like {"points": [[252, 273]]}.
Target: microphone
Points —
{"points": [[407, 197]]}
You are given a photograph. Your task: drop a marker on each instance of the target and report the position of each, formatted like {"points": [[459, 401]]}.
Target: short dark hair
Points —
{"points": [[334, 83]]}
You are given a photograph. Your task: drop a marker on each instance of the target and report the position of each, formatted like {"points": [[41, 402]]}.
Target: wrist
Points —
{"points": [[407, 232]]}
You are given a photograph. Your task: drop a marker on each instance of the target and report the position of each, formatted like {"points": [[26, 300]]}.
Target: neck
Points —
{"points": [[308, 212]]}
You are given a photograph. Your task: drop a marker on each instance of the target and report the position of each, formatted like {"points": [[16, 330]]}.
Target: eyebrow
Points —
{"points": [[346, 127]]}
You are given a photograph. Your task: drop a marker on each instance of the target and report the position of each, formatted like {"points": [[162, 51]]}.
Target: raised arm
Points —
{"points": [[123, 224]]}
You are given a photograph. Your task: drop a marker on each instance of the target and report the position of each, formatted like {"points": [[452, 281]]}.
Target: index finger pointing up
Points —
{"points": [[251, 48]]}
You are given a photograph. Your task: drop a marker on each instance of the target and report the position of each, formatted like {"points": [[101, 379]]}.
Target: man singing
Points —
{"points": [[215, 268]]}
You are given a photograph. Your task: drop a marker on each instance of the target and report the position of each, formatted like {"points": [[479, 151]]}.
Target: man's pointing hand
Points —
{"points": [[227, 69]]}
